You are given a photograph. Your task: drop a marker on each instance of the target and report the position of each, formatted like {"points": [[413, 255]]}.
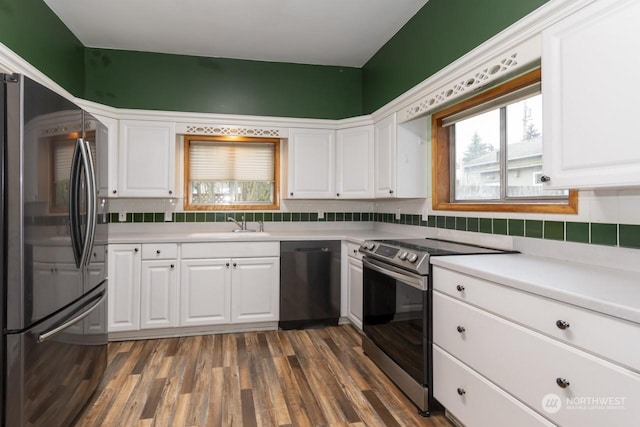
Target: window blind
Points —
{"points": [[500, 102], [222, 161], [63, 154]]}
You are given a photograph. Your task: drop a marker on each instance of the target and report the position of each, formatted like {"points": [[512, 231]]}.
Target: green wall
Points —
{"points": [[33, 31], [155, 81], [441, 32]]}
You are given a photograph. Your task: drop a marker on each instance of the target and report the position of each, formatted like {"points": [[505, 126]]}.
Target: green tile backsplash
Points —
{"points": [[623, 235]]}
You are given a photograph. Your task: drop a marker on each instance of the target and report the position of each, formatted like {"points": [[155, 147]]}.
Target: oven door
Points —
{"points": [[394, 317]]}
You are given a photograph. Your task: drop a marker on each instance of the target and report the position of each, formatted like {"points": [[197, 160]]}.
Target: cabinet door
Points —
{"points": [[124, 288], [147, 159], [311, 164], [107, 150], [590, 97], [205, 292], [255, 289], [354, 295], [385, 157], [158, 294], [354, 163]]}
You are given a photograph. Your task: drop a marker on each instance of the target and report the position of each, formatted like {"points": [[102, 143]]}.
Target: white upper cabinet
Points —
{"points": [[590, 97], [107, 147], [354, 163], [147, 159], [311, 164], [401, 162]]}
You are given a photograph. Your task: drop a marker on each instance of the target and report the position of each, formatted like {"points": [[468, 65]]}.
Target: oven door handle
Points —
{"points": [[415, 281]]}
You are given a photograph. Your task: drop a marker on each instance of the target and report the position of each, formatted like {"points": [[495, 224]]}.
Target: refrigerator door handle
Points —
{"points": [[74, 202], [90, 179], [56, 330]]}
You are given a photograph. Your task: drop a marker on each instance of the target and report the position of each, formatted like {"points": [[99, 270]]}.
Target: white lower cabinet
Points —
{"points": [[255, 283], [474, 400], [354, 285], [124, 288], [158, 294], [205, 292], [167, 285], [495, 345]]}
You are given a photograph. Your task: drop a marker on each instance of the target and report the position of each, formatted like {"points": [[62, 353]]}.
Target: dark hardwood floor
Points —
{"points": [[313, 377]]}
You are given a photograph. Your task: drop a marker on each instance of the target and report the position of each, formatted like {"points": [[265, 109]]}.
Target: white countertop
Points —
{"points": [[606, 290], [357, 236]]}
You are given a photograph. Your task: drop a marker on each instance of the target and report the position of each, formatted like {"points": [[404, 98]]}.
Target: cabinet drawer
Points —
{"points": [[612, 338], [160, 251], [469, 396], [352, 250], [528, 364], [230, 249]]}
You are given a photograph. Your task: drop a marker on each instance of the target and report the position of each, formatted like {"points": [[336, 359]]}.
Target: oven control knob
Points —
{"points": [[369, 246], [403, 255], [412, 258]]}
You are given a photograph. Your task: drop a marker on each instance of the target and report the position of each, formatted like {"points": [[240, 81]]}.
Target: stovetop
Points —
{"points": [[414, 254]]}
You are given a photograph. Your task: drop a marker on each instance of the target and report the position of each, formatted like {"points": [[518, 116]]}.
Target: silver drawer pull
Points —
{"points": [[461, 329], [460, 288], [461, 391], [562, 324], [562, 382]]}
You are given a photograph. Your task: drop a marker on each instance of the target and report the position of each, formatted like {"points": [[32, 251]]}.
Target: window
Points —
{"points": [[487, 153], [231, 173]]}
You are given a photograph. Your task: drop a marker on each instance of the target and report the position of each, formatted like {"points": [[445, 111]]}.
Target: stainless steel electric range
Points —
{"points": [[397, 309]]}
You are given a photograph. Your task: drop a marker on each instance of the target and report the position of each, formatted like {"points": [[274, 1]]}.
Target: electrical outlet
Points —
{"points": [[320, 214], [122, 216], [425, 215], [167, 216], [398, 215]]}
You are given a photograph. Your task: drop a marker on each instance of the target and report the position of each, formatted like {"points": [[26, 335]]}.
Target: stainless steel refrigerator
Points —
{"points": [[53, 263]]}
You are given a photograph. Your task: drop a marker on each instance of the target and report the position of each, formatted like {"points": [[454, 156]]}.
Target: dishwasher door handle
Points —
{"points": [[311, 249]]}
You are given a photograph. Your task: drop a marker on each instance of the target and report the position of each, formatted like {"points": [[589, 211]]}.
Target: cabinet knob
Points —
{"points": [[562, 324], [158, 251], [136, 250], [235, 265], [355, 251], [390, 191], [172, 266], [460, 329], [114, 191], [291, 194], [562, 382], [460, 288], [227, 264], [170, 191], [545, 178], [461, 391], [337, 194]]}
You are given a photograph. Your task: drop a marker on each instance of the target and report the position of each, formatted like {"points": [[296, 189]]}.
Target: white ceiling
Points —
{"points": [[324, 32]]}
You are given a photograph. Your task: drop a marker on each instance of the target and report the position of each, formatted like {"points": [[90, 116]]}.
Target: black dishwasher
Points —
{"points": [[309, 284]]}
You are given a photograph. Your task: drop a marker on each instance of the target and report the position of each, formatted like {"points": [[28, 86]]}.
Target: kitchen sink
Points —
{"points": [[228, 235]]}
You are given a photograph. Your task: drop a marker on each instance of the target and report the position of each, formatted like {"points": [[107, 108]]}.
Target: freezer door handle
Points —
{"points": [[57, 329], [74, 202], [82, 160], [90, 178]]}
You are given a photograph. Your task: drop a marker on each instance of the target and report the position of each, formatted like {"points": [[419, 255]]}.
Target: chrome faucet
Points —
{"points": [[243, 225]]}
